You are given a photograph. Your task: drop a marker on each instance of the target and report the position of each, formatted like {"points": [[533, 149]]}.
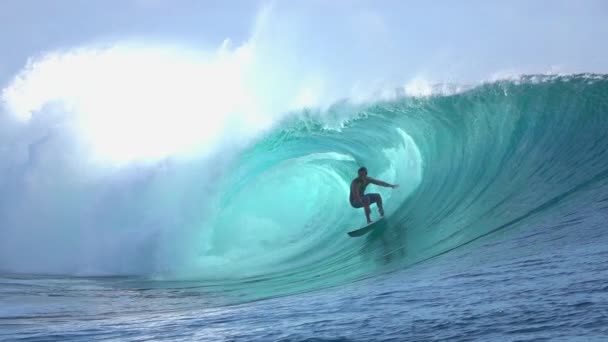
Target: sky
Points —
{"points": [[30, 27], [466, 39]]}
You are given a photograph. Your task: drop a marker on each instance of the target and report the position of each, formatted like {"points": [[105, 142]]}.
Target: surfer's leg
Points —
{"points": [[366, 203], [368, 211], [379, 204], [376, 198]]}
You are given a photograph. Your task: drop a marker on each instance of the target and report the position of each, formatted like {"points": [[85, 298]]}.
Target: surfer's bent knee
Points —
{"points": [[374, 198]]}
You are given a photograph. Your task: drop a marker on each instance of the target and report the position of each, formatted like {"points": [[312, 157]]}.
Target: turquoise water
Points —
{"points": [[497, 232]]}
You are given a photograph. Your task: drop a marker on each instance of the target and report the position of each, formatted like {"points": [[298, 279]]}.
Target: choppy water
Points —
{"points": [[497, 233]]}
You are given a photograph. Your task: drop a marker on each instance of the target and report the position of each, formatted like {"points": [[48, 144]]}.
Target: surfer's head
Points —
{"points": [[362, 172]]}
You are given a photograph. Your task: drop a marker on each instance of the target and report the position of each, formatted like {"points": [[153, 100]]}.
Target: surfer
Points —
{"points": [[358, 197]]}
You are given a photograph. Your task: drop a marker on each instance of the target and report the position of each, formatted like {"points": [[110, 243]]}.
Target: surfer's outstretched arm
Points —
{"points": [[381, 183]]}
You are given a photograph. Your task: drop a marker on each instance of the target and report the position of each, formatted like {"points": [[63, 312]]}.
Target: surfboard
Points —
{"points": [[365, 229]]}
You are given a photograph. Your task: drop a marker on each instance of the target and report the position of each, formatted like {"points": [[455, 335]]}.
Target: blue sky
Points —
{"points": [[30, 27], [392, 39]]}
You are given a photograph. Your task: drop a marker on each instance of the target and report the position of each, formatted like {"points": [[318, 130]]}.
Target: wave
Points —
{"points": [[470, 163]]}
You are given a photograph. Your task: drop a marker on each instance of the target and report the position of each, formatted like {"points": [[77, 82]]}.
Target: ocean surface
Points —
{"points": [[498, 231]]}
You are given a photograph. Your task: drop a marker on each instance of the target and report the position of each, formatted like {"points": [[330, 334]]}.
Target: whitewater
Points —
{"points": [[160, 186]]}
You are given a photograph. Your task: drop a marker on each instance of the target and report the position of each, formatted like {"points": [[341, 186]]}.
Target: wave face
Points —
{"points": [[469, 164]]}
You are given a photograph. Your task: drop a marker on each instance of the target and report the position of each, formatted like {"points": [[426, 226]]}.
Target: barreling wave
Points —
{"points": [[275, 217]]}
